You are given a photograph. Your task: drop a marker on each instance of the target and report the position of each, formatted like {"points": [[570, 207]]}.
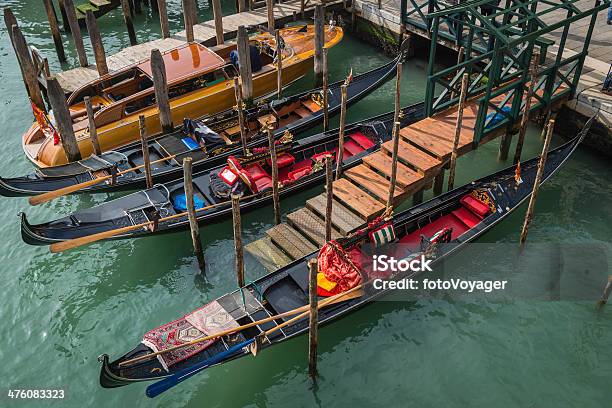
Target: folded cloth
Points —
{"points": [[211, 319]]}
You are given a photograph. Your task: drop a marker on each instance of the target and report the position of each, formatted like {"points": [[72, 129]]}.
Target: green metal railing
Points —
{"points": [[498, 44]]}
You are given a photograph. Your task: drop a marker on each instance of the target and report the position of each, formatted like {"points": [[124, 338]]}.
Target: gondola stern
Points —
{"points": [[7, 189], [107, 378], [28, 232]]}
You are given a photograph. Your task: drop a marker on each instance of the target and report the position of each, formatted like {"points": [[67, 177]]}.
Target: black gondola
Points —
{"points": [[300, 166], [209, 141], [456, 217]]}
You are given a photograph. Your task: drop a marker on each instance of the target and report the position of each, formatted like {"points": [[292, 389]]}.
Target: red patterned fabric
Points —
{"points": [[336, 264], [174, 334], [322, 155]]}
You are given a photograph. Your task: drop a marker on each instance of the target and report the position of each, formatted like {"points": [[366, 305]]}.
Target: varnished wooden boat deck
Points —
{"points": [[360, 195], [204, 32]]}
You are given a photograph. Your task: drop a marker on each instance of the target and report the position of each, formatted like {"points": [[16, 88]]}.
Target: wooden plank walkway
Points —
{"points": [[204, 32], [361, 194]]}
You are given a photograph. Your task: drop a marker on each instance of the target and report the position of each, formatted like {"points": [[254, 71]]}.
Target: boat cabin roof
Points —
{"points": [[187, 61]]}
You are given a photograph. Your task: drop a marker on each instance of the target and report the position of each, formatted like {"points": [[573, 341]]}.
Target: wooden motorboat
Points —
{"points": [[218, 133], [200, 82], [270, 310]]}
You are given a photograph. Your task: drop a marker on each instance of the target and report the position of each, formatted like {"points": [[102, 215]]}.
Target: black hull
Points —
{"points": [[34, 184], [508, 197]]}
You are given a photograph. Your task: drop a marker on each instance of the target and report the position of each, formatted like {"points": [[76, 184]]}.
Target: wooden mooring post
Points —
{"points": [[188, 17], [146, 159], [453, 162], [55, 32], [274, 166], [313, 326], [155, 5], [533, 72], [325, 91], [93, 131], [240, 111], [319, 41], [163, 17], [329, 188], [270, 13], [340, 157], [606, 293], [279, 64], [237, 223], [62, 7], [10, 20], [193, 221], [127, 17], [76, 32], [218, 16], [57, 98], [394, 154], [96, 43], [244, 65], [536, 184], [460, 54], [30, 77], [160, 83]]}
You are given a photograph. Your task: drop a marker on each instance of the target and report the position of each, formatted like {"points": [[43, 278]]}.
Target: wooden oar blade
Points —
{"points": [[52, 195], [90, 239]]}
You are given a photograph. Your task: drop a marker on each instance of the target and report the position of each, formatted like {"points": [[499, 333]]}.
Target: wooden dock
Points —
{"points": [[360, 195], [204, 33]]}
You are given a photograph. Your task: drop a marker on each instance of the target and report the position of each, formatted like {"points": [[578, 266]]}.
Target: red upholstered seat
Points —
{"points": [[263, 183], [467, 217], [256, 171], [299, 173], [413, 240], [352, 148], [282, 160], [320, 156], [362, 140], [476, 206]]}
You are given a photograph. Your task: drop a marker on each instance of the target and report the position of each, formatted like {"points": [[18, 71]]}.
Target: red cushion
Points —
{"points": [[467, 217], [256, 171], [299, 173], [352, 148], [362, 140], [263, 183], [476, 206], [228, 176], [320, 156], [282, 160]]}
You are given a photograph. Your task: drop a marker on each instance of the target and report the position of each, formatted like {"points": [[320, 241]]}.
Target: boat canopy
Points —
{"points": [[187, 61]]}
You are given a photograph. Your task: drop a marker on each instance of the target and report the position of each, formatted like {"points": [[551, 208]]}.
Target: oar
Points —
{"points": [[52, 195], [161, 386], [220, 334], [89, 239]]}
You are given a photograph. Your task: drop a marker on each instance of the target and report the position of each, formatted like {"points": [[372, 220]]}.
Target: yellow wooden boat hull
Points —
{"points": [[206, 101]]}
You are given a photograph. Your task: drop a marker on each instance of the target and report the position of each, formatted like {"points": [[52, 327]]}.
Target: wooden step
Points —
{"points": [[290, 241], [268, 254], [414, 157], [376, 184], [428, 142], [381, 162], [310, 225], [358, 200], [343, 219]]}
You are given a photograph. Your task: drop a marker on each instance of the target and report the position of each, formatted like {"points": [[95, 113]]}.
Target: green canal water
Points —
{"points": [[59, 312]]}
